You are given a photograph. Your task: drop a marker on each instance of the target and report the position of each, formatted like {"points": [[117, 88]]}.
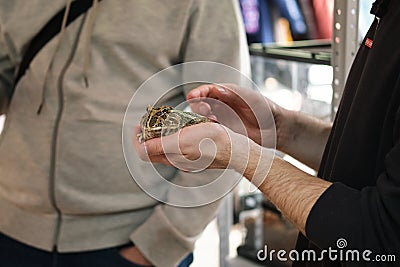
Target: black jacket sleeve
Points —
{"points": [[368, 219]]}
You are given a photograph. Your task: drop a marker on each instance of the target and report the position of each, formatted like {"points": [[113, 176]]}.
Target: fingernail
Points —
{"points": [[213, 118], [195, 93], [203, 109], [144, 147], [222, 90]]}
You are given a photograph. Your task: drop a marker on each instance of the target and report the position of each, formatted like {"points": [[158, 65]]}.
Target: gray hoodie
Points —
{"points": [[64, 183]]}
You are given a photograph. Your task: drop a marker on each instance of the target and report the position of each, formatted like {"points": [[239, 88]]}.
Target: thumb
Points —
{"points": [[163, 145]]}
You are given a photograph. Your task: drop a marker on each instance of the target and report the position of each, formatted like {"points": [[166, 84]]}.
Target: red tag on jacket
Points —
{"points": [[369, 43]]}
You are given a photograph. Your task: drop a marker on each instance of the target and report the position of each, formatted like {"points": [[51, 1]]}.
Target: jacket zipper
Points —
{"points": [[54, 147]]}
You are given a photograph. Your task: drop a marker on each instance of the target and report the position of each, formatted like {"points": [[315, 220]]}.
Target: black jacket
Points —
{"points": [[362, 158]]}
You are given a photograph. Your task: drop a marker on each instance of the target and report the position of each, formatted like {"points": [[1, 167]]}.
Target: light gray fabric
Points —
{"points": [[100, 204]]}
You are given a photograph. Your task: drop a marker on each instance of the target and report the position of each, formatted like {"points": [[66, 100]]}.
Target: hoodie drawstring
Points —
{"points": [[49, 67], [86, 63], [89, 30]]}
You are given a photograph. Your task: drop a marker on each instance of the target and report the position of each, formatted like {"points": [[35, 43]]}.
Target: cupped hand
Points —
{"points": [[197, 147], [228, 102]]}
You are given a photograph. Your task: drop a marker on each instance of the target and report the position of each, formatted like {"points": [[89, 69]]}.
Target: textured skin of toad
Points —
{"points": [[165, 120]]}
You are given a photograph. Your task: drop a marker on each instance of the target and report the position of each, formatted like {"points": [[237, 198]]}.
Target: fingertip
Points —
{"points": [[195, 93], [221, 89], [204, 109], [201, 91], [137, 129], [141, 151], [146, 146], [213, 118], [153, 147]]}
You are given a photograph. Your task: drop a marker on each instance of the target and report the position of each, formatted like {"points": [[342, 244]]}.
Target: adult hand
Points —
{"points": [[133, 254], [238, 108], [198, 147]]}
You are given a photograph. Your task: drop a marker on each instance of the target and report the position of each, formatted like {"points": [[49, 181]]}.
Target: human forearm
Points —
{"points": [[291, 190], [302, 136]]}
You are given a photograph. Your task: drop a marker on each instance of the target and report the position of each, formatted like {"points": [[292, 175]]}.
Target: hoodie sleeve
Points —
{"points": [[170, 233], [215, 33], [6, 75]]}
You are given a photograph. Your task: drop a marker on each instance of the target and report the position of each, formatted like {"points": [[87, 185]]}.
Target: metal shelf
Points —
{"points": [[344, 45], [313, 51]]}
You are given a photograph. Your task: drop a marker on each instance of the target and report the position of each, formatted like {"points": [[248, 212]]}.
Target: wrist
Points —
{"points": [[241, 151], [258, 164], [285, 123]]}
